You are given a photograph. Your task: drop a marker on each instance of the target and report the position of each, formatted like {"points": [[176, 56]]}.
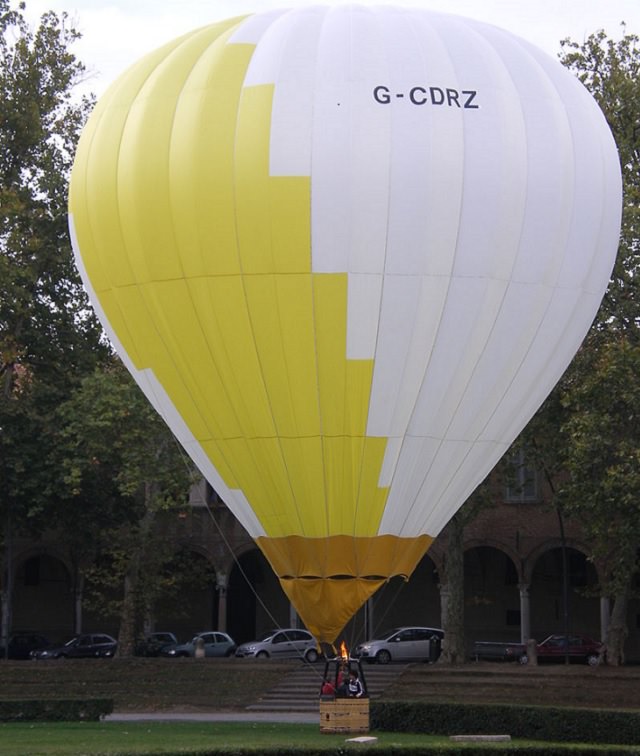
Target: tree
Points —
{"points": [[601, 396], [585, 437], [122, 466], [48, 334]]}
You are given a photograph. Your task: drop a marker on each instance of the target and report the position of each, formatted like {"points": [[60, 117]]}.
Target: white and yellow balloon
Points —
{"points": [[346, 252]]}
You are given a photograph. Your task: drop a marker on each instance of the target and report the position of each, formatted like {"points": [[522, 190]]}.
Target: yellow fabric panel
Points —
{"points": [[281, 312], [371, 498], [273, 213], [128, 303], [251, 165], [344, 385], [202, 162], [325, 606], [264, 479], [291, 222], [242, 405], [378, 556], [219, 301], [303, 458], [309, 571]]}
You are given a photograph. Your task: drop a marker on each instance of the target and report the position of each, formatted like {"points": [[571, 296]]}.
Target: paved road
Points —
{"points": [[228, 716]]}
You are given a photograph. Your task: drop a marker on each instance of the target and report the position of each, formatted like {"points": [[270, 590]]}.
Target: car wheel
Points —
{"points": [[311, 656], [383, 657], [524, 659], [262, 655], [593, 660], [229, 653]]}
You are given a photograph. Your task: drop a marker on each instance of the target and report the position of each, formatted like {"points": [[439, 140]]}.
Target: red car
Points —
{"points": [[579, 648]]}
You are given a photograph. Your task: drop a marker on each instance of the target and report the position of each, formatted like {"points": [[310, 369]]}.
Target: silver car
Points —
{"points": [[281, 644], [212, 643], [402, 644]]}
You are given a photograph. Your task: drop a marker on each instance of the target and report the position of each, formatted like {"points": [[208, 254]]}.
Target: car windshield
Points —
{"points": [[73, 641], [389, 633]]}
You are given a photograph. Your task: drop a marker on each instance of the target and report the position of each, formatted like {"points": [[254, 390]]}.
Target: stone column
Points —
{"points": [[222, 581], [605, 616], [293, 616], [525, 612]]}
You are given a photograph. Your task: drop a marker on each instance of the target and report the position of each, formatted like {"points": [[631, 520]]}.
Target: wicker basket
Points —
{"points": [[344, 715]]}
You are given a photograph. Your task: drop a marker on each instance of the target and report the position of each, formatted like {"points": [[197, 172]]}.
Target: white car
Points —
{"points": [[281, 644], [402, 644]]}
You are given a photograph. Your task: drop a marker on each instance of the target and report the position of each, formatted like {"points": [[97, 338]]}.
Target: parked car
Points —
{"points": [[21, 644], [578, 648], [498, 650], [402, 644], [213, 644], [85, 646], [290, 643], [154, 643]]}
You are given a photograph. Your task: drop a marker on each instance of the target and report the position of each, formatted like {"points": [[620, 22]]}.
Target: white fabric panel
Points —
{"points": [[516, 217], [427, 153], [514, 330], [349, 180], [286, 57], [468, 318], [473, 470], [410, 316], [252, 28], [495, 158], [415, 463], [363, 310]]}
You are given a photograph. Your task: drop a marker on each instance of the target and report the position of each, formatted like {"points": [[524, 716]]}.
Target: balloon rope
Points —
{"points": [[192, 475]]}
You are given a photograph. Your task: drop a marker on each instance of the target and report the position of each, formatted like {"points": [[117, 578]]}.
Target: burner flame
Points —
{"points": [[344, 653]]}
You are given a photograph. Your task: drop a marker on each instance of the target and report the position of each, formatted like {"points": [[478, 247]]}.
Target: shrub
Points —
{"points": [[76, 710], [530, 722]]}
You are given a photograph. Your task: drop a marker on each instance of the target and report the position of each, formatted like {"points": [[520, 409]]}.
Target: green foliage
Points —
{"points": [[48, 334], [58, 710], [585, 437], [120, 465], [604, 459], [611, 71], [531, 722], [110, 433]]}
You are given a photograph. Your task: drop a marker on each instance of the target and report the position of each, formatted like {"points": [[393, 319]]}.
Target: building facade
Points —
{"points": [[513, 581]]}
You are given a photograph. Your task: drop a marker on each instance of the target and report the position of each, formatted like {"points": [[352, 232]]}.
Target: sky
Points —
{"points": [[118, 32]]}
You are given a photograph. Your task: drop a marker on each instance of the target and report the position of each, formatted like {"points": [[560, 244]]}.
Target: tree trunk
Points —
{"points": [[6, 595], [128, 613], [618, 631], [453, 645]]}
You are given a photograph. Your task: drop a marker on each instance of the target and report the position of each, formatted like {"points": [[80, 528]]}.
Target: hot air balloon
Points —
{"points": [[346, 252]]}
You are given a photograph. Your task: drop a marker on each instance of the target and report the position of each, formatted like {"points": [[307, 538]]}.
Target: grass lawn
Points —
{"points": [[128, 739], [99, 739]]}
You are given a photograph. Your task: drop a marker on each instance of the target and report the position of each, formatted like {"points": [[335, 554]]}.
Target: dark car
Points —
{"points": [[153, 644], [213, 643], [22, 644], [578, 648], [290, 643], [402, 644], [85, 646]]}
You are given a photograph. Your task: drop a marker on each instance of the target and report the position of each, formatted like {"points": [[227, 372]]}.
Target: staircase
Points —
{"points": [[300, 691]]}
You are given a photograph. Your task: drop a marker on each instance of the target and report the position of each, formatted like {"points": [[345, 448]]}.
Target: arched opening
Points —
{"points": [[43, 597], [187, 600], [255, 600], [547, 595], [491, 596]]}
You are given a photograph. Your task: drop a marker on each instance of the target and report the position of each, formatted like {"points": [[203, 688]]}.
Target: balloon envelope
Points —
{"points": [[346, 252]]}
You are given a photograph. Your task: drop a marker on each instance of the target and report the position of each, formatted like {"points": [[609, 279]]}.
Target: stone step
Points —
{"points": [[300, 690]]}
